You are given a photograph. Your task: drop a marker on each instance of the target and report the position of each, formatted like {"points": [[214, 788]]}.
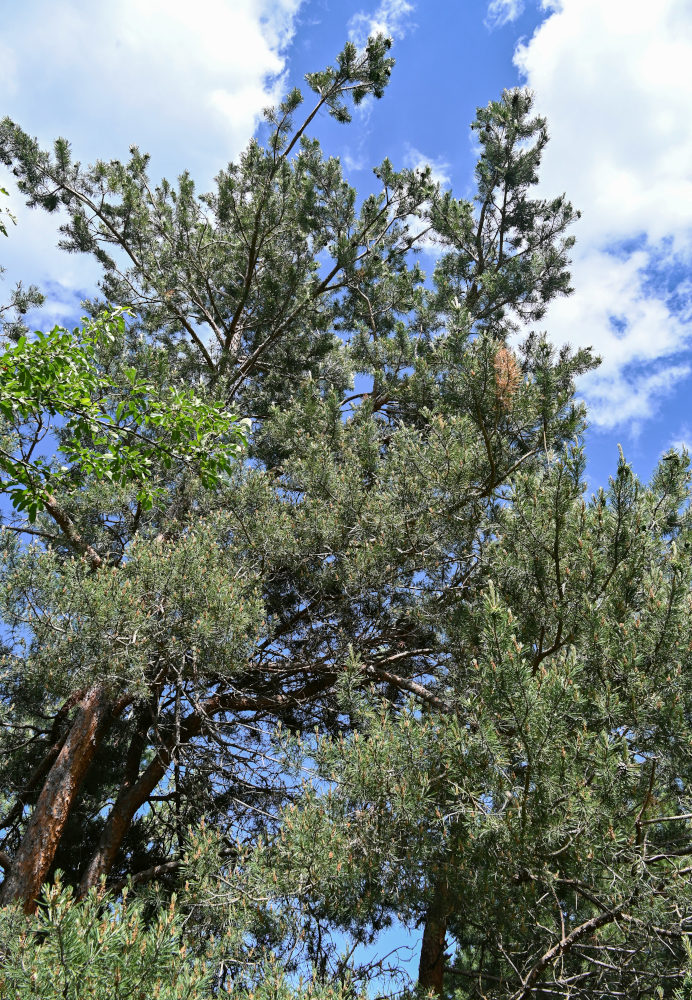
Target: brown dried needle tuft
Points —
{"points": [[507, 376]]}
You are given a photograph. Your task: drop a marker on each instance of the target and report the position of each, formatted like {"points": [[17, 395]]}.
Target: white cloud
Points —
{"points": [[439, 168], [354, 161], [189, 78], [439, 173], [30, 254], [187, 81], [501, 12], [639, 337], [614, 80], [391, 17]]}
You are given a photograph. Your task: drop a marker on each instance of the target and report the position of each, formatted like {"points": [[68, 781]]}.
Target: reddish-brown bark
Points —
{"points": [[66, 764], [431, 968], [131, 796], [33, 859], [47, 761], [135, 790]]}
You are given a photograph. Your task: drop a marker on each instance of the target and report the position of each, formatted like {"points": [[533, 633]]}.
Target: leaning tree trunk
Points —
{"points": [[132, 795], [431, 968], [136, 788], [32, 861]]}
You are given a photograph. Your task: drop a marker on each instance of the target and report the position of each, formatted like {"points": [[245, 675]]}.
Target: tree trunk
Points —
{"points": [[131, 796], [134, 792], [33, 859], [136, 788], [431, 968]]}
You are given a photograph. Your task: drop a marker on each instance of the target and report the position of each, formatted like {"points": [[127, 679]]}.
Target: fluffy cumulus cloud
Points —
{"points": [[614, 80], [189, 80], [390, 17], [640, 334]]}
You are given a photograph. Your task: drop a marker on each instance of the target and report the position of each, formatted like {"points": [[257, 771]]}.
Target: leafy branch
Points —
{"points": [[117, 433]]}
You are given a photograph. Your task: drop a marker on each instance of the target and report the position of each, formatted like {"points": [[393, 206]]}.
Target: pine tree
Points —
{"points": [[535, 820], [496, 665]]}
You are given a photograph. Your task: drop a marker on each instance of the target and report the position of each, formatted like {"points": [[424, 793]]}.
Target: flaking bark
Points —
{"points": [[36, 852]]}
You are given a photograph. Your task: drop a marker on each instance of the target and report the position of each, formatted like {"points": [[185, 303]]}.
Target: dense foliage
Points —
{"points": [[372, 659]]}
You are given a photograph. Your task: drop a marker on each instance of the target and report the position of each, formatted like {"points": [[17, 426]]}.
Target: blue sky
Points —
{"points": [[187, 82]]}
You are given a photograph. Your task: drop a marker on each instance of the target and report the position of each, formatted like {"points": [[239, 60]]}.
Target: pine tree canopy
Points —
{"points": [[311, 628]]}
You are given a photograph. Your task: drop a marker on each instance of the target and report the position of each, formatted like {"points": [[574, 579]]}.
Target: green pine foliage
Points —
{"points": [[21, 299], [92, 949], [5, 214], [297, 658], [545, 789]]}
